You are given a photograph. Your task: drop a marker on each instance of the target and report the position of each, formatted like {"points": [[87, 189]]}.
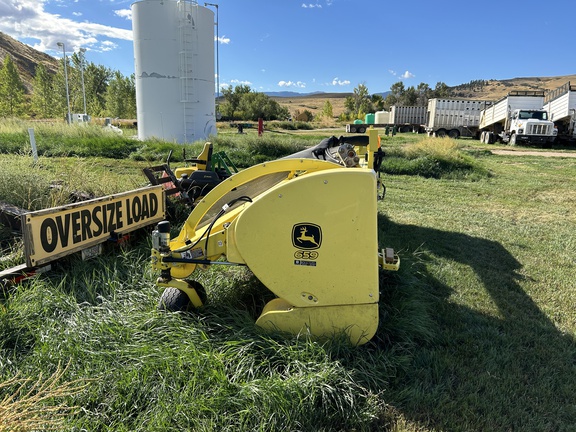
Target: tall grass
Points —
{"points": [[51, 182], [433, 158], [40, 404], [209, 371], [61, 140], [476, 330]]}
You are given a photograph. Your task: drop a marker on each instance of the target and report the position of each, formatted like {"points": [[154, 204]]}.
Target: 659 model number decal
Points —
{"points": [[305, 255]]}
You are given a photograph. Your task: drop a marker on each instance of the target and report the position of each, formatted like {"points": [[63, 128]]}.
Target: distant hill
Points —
{"points": [[291, 94], [497, 89], [25, 58]]}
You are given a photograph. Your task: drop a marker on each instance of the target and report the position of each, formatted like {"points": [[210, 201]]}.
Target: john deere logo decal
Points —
{"points": [[306, 236]]}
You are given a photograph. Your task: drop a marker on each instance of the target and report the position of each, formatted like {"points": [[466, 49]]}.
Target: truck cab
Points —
{"points": [[530, 127]]}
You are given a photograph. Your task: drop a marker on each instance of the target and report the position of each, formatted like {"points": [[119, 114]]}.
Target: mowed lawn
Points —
{"points": [[497, 262]]}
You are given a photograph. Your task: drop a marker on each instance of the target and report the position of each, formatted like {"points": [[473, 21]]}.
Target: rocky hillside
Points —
{"points": [[497, 89], [25, 58]]}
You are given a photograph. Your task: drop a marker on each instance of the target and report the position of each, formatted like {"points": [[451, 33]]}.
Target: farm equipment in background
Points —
{"points": [[85, 224], [305, 225], [191, 182]]}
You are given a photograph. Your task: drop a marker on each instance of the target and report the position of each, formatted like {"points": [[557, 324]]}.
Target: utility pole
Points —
{"points": [[217, 56], [69, 116], [82, 51]]}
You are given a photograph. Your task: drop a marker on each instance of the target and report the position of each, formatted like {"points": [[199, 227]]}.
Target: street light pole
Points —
{"points": [[82, 51], [69, 117], [217, 56]]}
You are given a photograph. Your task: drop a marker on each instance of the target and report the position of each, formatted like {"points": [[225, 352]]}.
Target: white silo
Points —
{"points": [[174, 70]]}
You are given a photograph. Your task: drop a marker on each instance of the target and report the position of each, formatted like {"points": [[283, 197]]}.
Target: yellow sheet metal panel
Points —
{"points": [[313, 240], [358, 322], [252, 182], [52, 233]]}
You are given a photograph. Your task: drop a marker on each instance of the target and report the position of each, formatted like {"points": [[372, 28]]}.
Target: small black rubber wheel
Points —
{"points": [[174, 300]]}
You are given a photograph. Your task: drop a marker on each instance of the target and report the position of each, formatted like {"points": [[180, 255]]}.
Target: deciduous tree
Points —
{"points": [[43, 94], [12, 90]]}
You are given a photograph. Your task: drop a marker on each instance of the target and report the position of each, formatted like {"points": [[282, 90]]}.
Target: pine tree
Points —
{"points": [[12, 90]]}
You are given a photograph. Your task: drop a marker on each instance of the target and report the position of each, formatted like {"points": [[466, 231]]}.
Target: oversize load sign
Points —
{"points": [[52, 233]]}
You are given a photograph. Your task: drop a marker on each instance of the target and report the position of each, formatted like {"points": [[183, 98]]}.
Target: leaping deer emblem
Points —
{"points": [[305, 237]]}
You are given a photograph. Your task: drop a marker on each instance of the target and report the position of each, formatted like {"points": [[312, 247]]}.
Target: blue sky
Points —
{"points": [[330, 45]]}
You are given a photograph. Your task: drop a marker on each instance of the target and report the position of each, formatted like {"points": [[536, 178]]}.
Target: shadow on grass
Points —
{"points": [[506, 370]]}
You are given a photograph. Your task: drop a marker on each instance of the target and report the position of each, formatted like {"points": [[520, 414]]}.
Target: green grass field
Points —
{"points": [[477, 329]]}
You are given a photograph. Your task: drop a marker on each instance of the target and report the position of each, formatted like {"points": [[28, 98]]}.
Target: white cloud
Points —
{"points": [[124, 13], [405, 75], [311, 5], [28, 19], [223, 40], [298, 84], [338, 82], [238, 82]]}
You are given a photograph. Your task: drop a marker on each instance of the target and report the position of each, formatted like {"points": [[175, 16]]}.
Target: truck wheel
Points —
{"points": [[352, 130], [512, 141], [361, 129], [441, 133], [454, 134], [483, 137], [490, 138]]}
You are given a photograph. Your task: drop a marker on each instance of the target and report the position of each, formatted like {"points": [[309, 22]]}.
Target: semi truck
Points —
{"points": [[517, 118], [403, 118], [561, 106], [454, 117]]}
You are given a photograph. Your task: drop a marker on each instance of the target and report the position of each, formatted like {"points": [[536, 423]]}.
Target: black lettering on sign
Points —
{"points": [[83, 224], [97, 220], [153, 204], [63, 229], [119, 223], [86, 218], [76, 237], [145, 208], [48, 235], [136, 208], [109, 226]]}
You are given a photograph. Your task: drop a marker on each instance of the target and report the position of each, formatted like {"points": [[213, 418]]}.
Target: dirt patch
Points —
{"points": [[534, 153]]}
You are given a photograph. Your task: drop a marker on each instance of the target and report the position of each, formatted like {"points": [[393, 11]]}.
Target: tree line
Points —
{"points": [[107, 93], [362, 102]]}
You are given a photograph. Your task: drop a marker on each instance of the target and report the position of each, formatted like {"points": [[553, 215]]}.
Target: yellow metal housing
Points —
{"points": [[307, 229]]}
